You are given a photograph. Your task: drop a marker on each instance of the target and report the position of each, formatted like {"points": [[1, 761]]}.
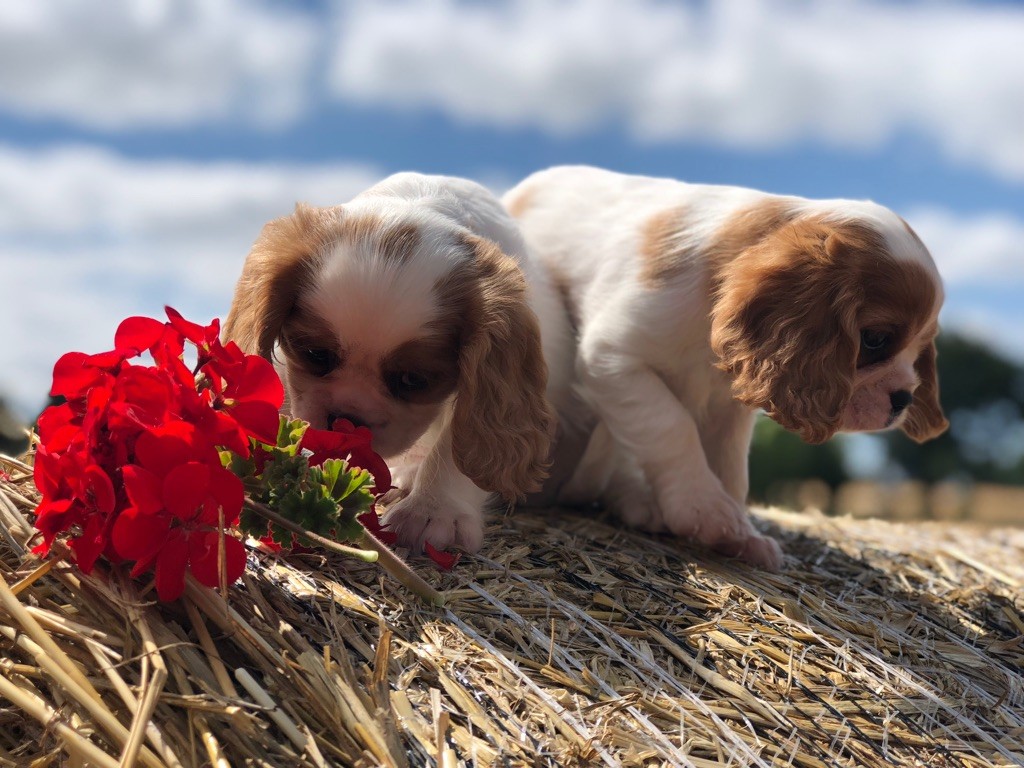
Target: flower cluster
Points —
{"points": [[153, 463]]}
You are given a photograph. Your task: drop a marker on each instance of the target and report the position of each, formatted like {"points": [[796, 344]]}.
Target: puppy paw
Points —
{"points": [[761, 551], [445, 523], [636, 506], [714, 519]]}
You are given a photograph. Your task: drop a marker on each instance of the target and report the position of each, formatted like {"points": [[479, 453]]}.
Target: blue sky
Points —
{"points": [[144, 143]]}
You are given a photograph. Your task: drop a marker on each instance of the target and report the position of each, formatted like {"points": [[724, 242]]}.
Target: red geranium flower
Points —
{"points": [[75, 372], [347, 441], [252, 396], [130, 466], [174, 506], [76, 495]]}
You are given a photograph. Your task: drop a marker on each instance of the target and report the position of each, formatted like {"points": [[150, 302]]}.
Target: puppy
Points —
{"points": [[696, 305], [413, 310]]}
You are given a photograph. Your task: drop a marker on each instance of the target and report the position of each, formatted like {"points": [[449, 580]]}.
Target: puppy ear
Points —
{"points": [[925, 419], [502, 425], [279, 266], [783, 326]]}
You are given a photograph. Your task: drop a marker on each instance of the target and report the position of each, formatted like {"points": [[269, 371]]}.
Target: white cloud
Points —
{"points": [[979, 250], [981, 260], [120, 64], [743, 73], [89, 238], [740, 72]]}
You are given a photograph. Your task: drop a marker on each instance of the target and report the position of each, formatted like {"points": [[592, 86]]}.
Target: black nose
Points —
{"points": [[900, 400], [356, 421]]}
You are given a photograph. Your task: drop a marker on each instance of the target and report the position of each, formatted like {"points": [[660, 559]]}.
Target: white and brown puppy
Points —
{"points": [[696, 305], [413, 310]]}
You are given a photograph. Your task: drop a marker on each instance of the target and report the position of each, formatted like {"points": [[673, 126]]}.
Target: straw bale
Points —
{"points": [[568, 641]]}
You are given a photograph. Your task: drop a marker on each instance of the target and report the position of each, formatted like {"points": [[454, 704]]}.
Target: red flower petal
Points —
{"points": [[229, 493], [48, 473], [58, 426], [185, 489], [106, 360], [259, 381], [346, 441], [138, 535], [170, 567], [72, 376], [362, 454], [197, 334], [140, 397], [219, 428], [204, 560], [144, 489], [98, 490], [257, 418], [89, 545], [136, 334], [163, 448], [52, 519], [445, 560]]}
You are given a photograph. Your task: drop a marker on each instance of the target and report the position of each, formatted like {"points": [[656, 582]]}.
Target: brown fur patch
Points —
{"points": [[434, 357], [280, 265], [502, 421], [925, 419], [307, 329], [746, 229], [663, 251], [397, 244], [285, 258]]}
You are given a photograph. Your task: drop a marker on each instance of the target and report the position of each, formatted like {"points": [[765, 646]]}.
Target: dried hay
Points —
{"points": [[568, 641]]}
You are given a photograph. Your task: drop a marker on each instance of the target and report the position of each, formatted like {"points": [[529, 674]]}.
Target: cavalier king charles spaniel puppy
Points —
{"points": [[696, 305], [413, 310]]}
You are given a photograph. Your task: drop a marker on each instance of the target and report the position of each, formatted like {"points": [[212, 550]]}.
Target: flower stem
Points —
{"points": [[366, 555], [400, 570], [373, 551]]}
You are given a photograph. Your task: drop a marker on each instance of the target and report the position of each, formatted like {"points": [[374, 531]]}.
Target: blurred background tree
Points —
{"points": [[12, 432], [779, 458]]}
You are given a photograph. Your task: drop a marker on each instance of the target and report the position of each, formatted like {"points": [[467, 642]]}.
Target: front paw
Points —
{"points": [[714, 519], [635, 504], [444, 523]]}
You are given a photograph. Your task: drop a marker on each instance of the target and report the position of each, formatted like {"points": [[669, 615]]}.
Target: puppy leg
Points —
{"points": [[645, 417], [442, 506], [589, 480], [725, 436], [630, 494], [609, 474]]}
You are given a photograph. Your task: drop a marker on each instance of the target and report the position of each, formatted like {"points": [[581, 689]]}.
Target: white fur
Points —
{"points": [[375, 306], [669, 443]]}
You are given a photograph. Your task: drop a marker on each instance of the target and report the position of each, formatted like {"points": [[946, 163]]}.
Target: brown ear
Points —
{"points": [[279, 265], [784, 327], [925, 419], [502, 422]]}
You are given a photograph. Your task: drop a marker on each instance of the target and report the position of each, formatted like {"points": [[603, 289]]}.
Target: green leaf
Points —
{"points": [[325, 500]]}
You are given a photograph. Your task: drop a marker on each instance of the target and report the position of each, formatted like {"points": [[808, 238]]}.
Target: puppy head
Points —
{"points": [[400, 322], [827, 321]]}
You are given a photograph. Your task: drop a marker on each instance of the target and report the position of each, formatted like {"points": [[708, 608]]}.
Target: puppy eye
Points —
{"points": [[874, 341], [405, 383], [320, 361]]}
